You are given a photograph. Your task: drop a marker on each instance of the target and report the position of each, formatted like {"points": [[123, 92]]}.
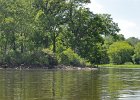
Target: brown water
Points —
{"points": [[40, 84]]}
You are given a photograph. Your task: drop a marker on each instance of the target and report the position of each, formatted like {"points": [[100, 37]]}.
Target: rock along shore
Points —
{"points": [[58, 67]]}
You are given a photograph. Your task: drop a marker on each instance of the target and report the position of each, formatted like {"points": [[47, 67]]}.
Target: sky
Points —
{"points": [[124, 12]]}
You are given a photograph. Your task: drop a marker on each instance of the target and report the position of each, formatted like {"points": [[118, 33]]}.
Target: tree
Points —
{"points": [[54, 14], [87, 30], [120, 37], [133, 41], [120, 52], [108, 40], [48, 14], [16, 29], [28, 26], [136, 57]]}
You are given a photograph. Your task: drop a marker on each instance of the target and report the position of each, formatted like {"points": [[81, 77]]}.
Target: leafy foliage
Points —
{"points": [[68, 57], [136, 57], [133, 41], [120, 52], [29, 26]]}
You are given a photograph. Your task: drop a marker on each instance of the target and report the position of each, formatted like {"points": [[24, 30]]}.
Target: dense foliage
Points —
{"points": [[136, 57], [120, 52], [51, 32], [133, 41], [69, 57]]}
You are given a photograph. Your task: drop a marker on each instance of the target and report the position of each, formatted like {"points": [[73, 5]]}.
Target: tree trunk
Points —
{"points": [[21, 47], [46, 42], [54, 42]]}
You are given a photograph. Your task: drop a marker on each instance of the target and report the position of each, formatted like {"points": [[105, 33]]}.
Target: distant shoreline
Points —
{"points": [[119, 66]]}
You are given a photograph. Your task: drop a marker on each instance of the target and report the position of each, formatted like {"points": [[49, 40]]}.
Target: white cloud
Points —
{"points": [[128, 28], [126, 24], [95, 7]]}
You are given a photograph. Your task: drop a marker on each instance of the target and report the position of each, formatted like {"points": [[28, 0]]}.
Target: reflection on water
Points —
{"points": [[102, 84]]}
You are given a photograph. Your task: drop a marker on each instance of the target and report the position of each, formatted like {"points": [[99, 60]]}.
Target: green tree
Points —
{"points": [[16, 24], [133, 41], [108, 40], [51, 14], [87, 30], [28, 26], [54, 14], [136, 57], [119, 37], [120, 52]]}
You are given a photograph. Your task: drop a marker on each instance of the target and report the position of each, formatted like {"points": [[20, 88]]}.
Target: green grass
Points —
{"points": [[120, 66]]}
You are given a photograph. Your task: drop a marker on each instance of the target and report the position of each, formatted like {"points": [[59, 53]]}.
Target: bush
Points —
{"points": [[51, 57], [39, 58], [69, 57], [136, 56], [120, 52], [42, 57], [12, 58], [128, 63]]}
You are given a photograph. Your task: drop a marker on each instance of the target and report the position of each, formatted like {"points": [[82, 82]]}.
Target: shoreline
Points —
{"points": [[56, 67], [119, 66]]}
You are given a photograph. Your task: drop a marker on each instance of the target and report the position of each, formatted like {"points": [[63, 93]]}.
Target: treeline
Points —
{"points": [[123, 51], [51, 32]]}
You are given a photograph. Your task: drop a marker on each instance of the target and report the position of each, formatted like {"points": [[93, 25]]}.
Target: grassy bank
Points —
{"points": [[120, 66]]}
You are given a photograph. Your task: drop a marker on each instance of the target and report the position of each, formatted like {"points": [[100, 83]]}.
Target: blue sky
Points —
{"points": [[124, 12]]}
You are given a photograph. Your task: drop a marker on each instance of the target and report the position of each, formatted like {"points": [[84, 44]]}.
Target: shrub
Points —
{"points": [[51, 57], [12, 58], [69, 57], [42, 57], [120, 52], [128, 63], [38, 57], [136, 56]]}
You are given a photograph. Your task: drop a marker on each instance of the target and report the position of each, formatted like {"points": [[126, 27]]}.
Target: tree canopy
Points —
{"points": [[30, 26], [136, 57], [120, 52]]}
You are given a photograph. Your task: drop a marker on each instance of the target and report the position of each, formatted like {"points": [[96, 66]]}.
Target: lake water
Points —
{"points": [[41, 84]]}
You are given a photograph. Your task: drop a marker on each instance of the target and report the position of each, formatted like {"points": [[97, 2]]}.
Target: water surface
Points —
{"points": [[41, 84]]}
